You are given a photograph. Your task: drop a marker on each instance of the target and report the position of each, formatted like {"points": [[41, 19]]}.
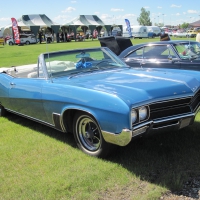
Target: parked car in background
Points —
{"points": [[166, 54], [116, 33], [1, 39], [154, 29], [151, 35], [181, 33], [24, 39], [177, 54], [192, 33], [94, 95]]}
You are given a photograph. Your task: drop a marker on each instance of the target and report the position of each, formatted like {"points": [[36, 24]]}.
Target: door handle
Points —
{"points": [[12, 84]]}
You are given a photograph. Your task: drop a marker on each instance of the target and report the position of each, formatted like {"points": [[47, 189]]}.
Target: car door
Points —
{"points": [[25, 97], [153, 56], [190, 64]]}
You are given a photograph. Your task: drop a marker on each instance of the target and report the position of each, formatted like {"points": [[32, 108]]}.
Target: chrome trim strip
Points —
{"points": [[143, 124], [140, 131], [34, 119], [174, 118], [170, 125], [60, 121]]}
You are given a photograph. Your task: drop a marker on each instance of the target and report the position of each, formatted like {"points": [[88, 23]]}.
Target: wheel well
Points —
{"points": [[68, 117]]}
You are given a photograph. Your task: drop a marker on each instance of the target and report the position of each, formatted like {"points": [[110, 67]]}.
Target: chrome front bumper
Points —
{"points": [[175, 123]]}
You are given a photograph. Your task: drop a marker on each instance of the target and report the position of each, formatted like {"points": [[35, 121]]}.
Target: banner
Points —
{"points": [[128, 27], [15, 29]]}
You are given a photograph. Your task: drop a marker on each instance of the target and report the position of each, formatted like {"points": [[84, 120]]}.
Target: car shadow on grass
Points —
{"points": [[168, 159], [43, 129]]}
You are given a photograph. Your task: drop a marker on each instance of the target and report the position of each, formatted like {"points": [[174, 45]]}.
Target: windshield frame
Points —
{"points": [[78, 61], [187, 50]]}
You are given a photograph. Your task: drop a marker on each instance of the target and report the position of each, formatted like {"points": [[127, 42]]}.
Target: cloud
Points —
{"points": [[68, 10], [116, 10], [73, 1], [175, 6], [146, 7], [159, 7], [105, 16], [129, 16], [4, 19], [192, 11], [177, 14], [60, 17]]}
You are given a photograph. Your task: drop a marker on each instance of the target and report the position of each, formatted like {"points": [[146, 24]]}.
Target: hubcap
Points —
{"points": [[88, 134]]}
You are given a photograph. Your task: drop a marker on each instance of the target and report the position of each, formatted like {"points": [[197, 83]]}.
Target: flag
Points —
{"points": [[15, 29], [128, 27]]}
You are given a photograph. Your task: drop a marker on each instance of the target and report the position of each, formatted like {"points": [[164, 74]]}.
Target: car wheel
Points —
{"points": [[27, 42], [10, 43], [88, 136], [2, 111]]}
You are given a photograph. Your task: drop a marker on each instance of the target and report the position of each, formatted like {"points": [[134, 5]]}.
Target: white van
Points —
{"points": [[154, 29], [137, 32]]}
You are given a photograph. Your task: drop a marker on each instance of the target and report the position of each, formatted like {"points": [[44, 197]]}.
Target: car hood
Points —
{"points": [[134, 86]]}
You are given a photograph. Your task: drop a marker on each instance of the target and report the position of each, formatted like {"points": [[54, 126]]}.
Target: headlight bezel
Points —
{"points": [[142, 116], [138, 110]]}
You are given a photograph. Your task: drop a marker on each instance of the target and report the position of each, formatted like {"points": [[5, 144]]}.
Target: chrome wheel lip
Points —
{"points": [[88, 133]]}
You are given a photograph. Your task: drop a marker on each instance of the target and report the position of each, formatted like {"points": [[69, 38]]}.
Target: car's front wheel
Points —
{"points": [[88, 136], [10, 43], [27, 42]]}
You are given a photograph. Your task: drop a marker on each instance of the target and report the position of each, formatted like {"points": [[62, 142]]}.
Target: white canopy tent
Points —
{"points": [[90, 22], [34, 23]]}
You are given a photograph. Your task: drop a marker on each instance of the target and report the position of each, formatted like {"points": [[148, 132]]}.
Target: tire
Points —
{"points": [[27, 42], [10, 43], [88, 136], [2, 111]]}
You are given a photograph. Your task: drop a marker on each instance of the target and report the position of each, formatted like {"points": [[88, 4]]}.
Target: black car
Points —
{"points": [[162, 54]]}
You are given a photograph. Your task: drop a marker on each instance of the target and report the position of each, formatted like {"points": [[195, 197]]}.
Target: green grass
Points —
{"points": [[40, 163], [28, 54]]}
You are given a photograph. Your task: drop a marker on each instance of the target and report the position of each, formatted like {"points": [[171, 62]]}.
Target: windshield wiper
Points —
{"points": [[83, 72]]}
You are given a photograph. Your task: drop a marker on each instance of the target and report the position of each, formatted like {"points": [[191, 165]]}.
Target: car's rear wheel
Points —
{"points": [[27, 42], [88, 136], [10, 43], [2, 111]]}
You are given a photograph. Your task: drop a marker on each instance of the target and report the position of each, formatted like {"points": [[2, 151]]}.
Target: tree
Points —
{"points": [[144, 18], [184, 25]]}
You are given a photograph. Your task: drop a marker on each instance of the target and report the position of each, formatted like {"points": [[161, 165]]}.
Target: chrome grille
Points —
{"points": [[174, 107]]}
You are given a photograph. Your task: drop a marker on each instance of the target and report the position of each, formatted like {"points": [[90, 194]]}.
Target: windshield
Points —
{"points": [[67, 63], [189, 50]]}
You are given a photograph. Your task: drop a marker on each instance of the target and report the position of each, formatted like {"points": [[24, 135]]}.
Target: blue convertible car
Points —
{"points": [[97, 97]]}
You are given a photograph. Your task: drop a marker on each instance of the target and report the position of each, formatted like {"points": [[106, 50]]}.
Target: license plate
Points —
{"points": [[185, 122]]}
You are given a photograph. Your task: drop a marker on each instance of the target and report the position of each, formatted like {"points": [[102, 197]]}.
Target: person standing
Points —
{"points": [[164, 36], [198, 37], [40, 37]]}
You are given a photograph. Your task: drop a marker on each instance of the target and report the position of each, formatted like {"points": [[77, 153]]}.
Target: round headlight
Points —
{"points": [[143, 113], [133, 116]]}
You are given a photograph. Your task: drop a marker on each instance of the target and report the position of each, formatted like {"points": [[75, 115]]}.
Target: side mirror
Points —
{"points": [[173, 59], [170, 57]]}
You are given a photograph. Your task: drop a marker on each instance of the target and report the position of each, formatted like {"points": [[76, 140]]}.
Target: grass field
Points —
{"points": [[40, 163]]}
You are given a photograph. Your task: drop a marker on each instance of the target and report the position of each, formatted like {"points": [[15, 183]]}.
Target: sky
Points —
{"points": [[169, 12]]}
